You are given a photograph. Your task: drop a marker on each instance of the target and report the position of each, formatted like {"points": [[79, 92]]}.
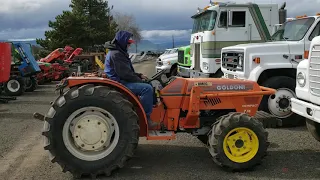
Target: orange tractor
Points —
{"points": [[94, 126]]}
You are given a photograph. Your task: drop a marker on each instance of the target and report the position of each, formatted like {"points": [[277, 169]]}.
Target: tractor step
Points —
{"points": [[268, 120], [161, 135]]}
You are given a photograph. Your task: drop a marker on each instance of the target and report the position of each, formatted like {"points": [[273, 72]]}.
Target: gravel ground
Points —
{"points": [[293, 154]]}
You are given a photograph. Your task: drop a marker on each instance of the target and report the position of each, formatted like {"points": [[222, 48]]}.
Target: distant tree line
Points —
{"points": [[89, 23]]}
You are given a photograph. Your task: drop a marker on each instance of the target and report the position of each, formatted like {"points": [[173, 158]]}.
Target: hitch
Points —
{"points": [[38, 116]]}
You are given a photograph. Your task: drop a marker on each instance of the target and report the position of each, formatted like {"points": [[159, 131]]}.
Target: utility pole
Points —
{"points": [[172, 41]]}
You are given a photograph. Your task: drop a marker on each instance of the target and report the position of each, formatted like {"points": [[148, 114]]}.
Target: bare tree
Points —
{"points": [[127, 22]]}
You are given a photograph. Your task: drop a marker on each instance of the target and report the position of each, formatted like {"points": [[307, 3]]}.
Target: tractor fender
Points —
{"points": [[79, 81]]}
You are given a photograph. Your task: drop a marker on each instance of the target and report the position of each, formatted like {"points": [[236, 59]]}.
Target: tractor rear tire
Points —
{"points": [[112, 105], [19, 87], [314, 129], [31, 84], [250, 143]]}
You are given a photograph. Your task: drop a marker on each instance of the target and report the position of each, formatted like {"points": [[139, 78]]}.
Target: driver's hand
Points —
{"points": [[144, 77]]}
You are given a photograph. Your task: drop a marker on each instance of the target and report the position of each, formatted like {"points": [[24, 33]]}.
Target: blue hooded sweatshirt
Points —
{"points": [[118, 66]]}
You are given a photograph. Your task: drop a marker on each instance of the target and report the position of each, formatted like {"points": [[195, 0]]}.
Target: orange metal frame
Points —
{"points": [[191, 95], [54, 55]]}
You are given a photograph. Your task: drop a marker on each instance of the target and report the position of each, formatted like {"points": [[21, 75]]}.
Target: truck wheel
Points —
{"points": [[91, 130], [15, 86], [173, 71], [31, 84], [314, 129], [238, 142], [279, 104]]}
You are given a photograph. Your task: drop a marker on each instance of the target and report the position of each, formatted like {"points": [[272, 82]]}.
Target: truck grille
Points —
{"points": [[181, 57], [233, 61], [196, 57], [314, 71]]}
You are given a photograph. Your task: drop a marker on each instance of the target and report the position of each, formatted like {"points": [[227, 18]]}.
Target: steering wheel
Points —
{"points": [[160, 77], [157, 76]]}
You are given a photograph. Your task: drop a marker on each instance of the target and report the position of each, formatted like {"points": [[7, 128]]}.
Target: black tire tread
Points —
{"points": [[22, 86], [34, 84], [224, 122], [71, 95]]}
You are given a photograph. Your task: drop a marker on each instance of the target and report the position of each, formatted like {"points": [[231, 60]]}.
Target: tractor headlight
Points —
{"points": [[301, 79], [205, 66]]}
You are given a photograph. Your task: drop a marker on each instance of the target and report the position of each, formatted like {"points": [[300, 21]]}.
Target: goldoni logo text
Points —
{"points": [[230, 87]]}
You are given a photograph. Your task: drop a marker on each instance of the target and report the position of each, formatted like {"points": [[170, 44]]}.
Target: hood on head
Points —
{"points": [[122, 38]]}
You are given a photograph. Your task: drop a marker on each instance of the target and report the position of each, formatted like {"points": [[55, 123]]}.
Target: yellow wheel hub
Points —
{"points": [[241, 145]]}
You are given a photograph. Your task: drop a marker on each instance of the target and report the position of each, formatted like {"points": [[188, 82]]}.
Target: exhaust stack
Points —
{"points": [[282, 13]]}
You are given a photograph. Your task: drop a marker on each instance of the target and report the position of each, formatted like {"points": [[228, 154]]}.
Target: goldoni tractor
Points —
{"points": [[94, 126]]}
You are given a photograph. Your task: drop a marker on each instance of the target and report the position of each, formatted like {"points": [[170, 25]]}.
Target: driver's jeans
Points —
{"points": [[145, 92]]}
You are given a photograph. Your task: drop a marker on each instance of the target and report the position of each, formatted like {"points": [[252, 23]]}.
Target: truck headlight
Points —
{"points": [[205, 66], [240, 63], [301, 79], [166, 62]]}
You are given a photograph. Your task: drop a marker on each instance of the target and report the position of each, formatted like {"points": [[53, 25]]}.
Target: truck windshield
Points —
{"points": [[293, 30], [173, 51], [204, 21]]}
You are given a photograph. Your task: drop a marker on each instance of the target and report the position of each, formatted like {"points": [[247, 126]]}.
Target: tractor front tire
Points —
{"points": [[31, 84], [238, 142], [15, 86], [103, 109]]}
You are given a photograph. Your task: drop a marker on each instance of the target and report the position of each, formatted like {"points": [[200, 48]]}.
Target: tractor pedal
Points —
{"points": [[158, 135], [268, 120], [163, 128], [39, 116]]}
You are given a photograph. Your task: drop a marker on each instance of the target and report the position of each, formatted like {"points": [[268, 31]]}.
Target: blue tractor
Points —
{"points": [[24, 67]]}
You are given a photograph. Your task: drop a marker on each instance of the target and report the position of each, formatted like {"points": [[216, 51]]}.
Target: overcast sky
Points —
{"points": [[159, 19]]}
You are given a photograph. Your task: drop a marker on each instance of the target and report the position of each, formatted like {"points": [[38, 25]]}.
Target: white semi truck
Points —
{"points": [[273, 64], [224, 24], [307, 100]]}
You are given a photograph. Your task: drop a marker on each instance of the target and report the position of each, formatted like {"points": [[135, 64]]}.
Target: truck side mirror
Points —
{"points": [[229, 18], [275, 28]]}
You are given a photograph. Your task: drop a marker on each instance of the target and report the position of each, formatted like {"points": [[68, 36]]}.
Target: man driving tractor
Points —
{"points": [[118, 67]]}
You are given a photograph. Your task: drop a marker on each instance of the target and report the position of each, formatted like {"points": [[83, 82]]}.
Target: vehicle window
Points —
{"points": [[315, 32], [223, 19], [238, 19], [204, 22], [293, 30]]}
